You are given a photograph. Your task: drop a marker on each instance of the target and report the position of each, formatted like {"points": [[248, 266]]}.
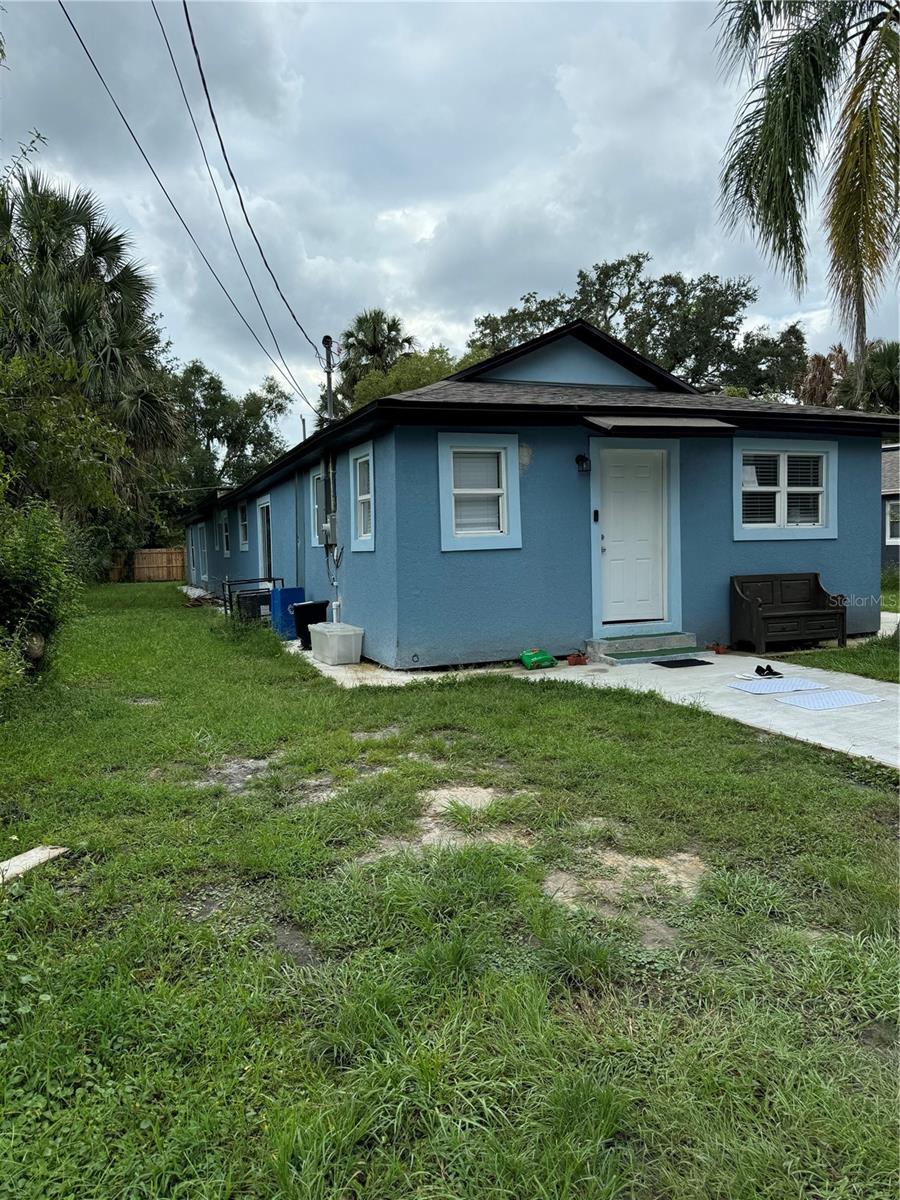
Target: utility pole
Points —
{"points": [[329, 393]]}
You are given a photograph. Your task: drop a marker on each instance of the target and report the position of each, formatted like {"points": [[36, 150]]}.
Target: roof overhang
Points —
{"points": [[692, 425]]}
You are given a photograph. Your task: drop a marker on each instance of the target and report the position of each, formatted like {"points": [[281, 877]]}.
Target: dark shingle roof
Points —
{"points": [[890, 469], [598, 398]]}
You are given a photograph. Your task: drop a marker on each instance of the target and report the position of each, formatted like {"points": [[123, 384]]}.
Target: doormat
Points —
{"points": [[682, 662], [817, 701], [791, 683]]}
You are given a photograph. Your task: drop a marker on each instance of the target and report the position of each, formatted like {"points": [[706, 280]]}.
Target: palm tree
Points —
{"points": [[69, 288], [876, 386], [822, 107], [374, 342]]}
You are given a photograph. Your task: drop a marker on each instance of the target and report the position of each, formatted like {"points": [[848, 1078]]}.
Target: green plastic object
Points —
{"points": [[533, 658]]}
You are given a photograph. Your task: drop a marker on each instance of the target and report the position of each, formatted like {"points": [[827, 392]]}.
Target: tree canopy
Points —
{"points": [[690, 326]]}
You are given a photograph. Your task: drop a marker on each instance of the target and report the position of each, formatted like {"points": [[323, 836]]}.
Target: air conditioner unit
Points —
{"points": [[255, 605]]}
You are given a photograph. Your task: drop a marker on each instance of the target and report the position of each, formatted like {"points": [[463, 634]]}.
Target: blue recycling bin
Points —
{"points": [[282, 619]]}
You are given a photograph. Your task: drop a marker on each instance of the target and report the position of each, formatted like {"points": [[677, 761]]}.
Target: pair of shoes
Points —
{"points": [[768, 672]]}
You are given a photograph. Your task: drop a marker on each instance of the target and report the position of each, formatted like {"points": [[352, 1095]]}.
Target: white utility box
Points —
{"points": [[335, 643]]}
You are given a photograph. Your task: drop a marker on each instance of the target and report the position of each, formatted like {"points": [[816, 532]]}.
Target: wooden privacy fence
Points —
{"points": [[152, 566]]}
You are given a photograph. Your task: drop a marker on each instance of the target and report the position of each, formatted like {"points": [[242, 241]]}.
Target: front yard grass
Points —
{"points": [[247, 979], [874, 658], [890, 589]]}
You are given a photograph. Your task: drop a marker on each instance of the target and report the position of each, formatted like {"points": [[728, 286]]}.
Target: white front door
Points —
{"points": [[633, 535]]}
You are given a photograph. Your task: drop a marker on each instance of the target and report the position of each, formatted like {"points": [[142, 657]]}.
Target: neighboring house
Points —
{"points": [[890, 503], [563, 491]]}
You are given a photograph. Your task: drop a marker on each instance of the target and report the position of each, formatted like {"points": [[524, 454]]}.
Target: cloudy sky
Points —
{"points": [[435, 159]]}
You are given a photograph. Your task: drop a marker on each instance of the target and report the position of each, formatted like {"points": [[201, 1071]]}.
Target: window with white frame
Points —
{"points": [[226, 536], [892, 522], [479, 492], [316, 506], [478, 477], [783, 489], [362, 484], [243, 527], [217, 520]]}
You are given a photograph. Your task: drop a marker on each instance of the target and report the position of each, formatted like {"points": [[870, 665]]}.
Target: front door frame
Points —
{"points": [[672, 496]]}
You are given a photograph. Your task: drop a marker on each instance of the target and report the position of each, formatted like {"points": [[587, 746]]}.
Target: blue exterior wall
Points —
{"points": [[367, 580], [848, 563], [567, 361], [421, 606], [483, 605]]}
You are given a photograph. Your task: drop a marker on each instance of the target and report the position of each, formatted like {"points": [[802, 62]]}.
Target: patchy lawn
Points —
{"points": [[463, 939], [875, 658]]}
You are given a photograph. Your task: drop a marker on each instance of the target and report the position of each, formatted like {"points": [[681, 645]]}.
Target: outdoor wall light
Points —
{"points": [[583, 463]]}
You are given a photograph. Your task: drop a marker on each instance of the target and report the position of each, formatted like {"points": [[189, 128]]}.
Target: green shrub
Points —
{"points": [[37, 586]]}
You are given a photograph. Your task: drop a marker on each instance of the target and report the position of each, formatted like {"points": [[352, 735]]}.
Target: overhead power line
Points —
{"points": [[165, 192], [212, 113], [215, 187]]}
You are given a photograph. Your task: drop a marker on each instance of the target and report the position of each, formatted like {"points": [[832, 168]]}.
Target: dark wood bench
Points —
{"points": [[785, 608]]}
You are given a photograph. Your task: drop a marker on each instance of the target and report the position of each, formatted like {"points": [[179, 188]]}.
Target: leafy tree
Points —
{"points": [[410, 371], [823, 108], [226, 439], [689, 326], [54, 444], [373, 342], [69, 288], [764, 362]]}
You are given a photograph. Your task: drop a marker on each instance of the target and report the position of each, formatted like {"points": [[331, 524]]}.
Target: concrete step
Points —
{"points": [[648, 644]]}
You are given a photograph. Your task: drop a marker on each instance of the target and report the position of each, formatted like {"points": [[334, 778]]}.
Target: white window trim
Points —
{"points": [[204, 554], [192, 549], [366, 541], [243, 527], [782, 531], [315, 540], [510, 536], [226, 535], [888, 540], [501, 492], [217, 520]]}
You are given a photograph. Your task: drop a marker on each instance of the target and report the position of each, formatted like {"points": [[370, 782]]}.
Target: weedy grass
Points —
{"points": [[454, 1032], [874, 658]]}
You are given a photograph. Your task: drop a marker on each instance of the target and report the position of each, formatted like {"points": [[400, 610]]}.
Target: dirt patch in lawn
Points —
{"points": [[475, 798], [432, 831], [237, 910], [376, 735], [234, 774], [880, 1036], [143, 701], [317, 790]]}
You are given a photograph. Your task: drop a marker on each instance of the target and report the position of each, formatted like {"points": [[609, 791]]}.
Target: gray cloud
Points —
{"points": [[437, 158]]}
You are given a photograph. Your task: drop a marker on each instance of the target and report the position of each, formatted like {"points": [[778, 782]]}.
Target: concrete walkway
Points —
{"points": [[867, 730]]}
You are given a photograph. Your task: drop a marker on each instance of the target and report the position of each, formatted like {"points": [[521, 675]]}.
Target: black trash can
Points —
{"points": [[306, 614]]}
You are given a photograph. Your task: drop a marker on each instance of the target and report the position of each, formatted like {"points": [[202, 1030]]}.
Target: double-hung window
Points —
{"points": [[243, 527], [362, 483], [226, 536], [785, 490], [216, 522], [892, 522], [479, 491]]}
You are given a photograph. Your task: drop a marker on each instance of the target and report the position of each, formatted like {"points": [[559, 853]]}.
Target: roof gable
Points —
{"points": [[577, 353]]}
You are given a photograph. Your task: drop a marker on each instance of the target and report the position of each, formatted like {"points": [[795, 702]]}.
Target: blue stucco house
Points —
{"points": [[564, 491]]}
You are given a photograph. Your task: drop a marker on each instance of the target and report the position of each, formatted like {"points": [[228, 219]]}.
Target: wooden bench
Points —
{"points": [[785, 608]]}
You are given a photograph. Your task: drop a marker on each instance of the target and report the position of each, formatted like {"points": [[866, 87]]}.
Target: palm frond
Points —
{"points": [[772, 155], [861, 203]]}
